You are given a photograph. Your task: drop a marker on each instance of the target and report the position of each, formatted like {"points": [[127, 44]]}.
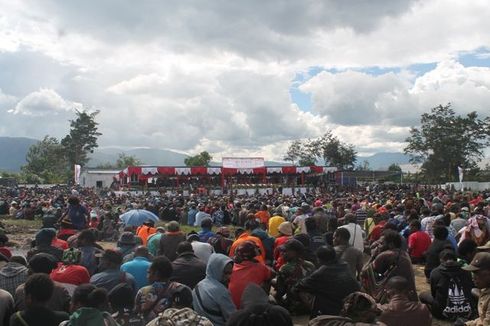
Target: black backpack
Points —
{"points": [[458, 302]]}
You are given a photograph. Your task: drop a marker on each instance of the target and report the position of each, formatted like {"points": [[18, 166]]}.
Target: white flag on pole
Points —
{"points": [[78, 169]]}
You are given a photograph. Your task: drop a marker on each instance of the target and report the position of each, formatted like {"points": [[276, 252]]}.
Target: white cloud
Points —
{"points": [[44, 102]]}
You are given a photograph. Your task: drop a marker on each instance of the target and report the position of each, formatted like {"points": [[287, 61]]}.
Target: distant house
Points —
{"points": [[98, 178]]}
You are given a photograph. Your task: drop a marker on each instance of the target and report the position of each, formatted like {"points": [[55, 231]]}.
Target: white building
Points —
{"points": [[98, 178]]}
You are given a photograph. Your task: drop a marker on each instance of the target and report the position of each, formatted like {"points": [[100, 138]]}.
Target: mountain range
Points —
{"points": [[13, 152]]}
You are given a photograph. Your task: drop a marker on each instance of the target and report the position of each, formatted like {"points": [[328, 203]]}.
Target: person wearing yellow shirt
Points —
{"points": [[274, 223]]}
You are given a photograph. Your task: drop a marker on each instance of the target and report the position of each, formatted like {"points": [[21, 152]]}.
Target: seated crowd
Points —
{"points": [[356, 267]]}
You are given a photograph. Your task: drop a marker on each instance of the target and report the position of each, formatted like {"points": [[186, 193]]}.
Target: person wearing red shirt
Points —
{"points": [[247, 270], [378, 228], [418, 242], [58, 243], [285, 230], [70, 273]]}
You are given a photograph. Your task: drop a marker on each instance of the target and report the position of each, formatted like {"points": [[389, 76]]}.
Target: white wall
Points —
{"points": [[473, 185], [90, 178]]}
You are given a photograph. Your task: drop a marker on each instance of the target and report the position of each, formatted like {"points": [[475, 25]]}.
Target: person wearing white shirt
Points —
{"points": [[356, 233]]}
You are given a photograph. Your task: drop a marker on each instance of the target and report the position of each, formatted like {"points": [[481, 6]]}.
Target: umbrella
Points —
{"points": [[136, 217]]}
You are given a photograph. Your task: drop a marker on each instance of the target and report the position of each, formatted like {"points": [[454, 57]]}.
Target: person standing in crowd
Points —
{"points": [[187, 268], [170, 240], [38, 290], [347, 253], [211, 297], [480, 267], [356, 233], [329, 284], [191, 213], [77, 213], [138, 266], [400, 310]]}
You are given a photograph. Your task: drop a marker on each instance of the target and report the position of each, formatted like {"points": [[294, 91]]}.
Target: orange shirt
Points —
{"points": [[144, 232], [246, 237]]}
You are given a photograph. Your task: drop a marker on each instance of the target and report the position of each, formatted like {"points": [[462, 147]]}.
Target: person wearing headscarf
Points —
{"points": [[211, 297], [247, 270], [476, 229], [255, 310]]}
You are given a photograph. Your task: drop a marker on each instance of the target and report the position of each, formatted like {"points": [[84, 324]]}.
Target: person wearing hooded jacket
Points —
{"points": [[211, 297]]}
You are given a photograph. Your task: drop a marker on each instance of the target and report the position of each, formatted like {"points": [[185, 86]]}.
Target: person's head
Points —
{"points": [[467, 249], [86, 238], [173, 226], [480, 267], [111, 259], [350, 218], [239, 232], [42, 263], [121, 297], [341, 236], [185, 247], [293, 249], [19, 260], [482, 221], [285, 228], [142, 251], [224, 231], [440, 233], [360, 307], [326, 255], [415, 226], [397, 285], [219, 268], [44, 237], [149, 223], [73, 200], [246, 250], [3, 239], [160, 270], [447, 255], [38, 289], [89, 296], [392, 239], [251, 225], [192, 236], [206, 223]]}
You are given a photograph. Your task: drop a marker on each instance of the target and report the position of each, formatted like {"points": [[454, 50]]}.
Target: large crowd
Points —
{"points": [[341, 257]]}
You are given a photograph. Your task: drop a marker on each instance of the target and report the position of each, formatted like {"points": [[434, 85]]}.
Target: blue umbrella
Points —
{"points": [[136, 217]]}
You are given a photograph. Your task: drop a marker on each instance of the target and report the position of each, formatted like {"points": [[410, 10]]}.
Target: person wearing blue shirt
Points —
{"points": [[138, 267]]}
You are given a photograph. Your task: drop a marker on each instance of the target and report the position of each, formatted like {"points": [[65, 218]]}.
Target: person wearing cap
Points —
{"points": [[110, 273], [202, 250], [145, 230], [274, 223], [44, 263], [138, 266], [187, 268], [285, 230], [480, 267], [329, 284], [250, 225], [170, 240], [127, 243], [246, 270], [154, 241], [294, 269]]}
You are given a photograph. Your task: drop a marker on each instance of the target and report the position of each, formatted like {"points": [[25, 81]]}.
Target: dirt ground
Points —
{"points": [[22, 232]]}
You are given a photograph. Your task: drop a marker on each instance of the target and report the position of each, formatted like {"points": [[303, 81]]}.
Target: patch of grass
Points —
{"points": [[23, 224]]}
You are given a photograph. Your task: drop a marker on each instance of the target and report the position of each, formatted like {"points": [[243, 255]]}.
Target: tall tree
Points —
{"points": [[82, 138], [201, 159], [445, 141], [46, 160], [124, 161]]}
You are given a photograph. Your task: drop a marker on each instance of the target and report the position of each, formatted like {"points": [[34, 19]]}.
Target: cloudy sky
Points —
{"points": [[240, 77]]}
